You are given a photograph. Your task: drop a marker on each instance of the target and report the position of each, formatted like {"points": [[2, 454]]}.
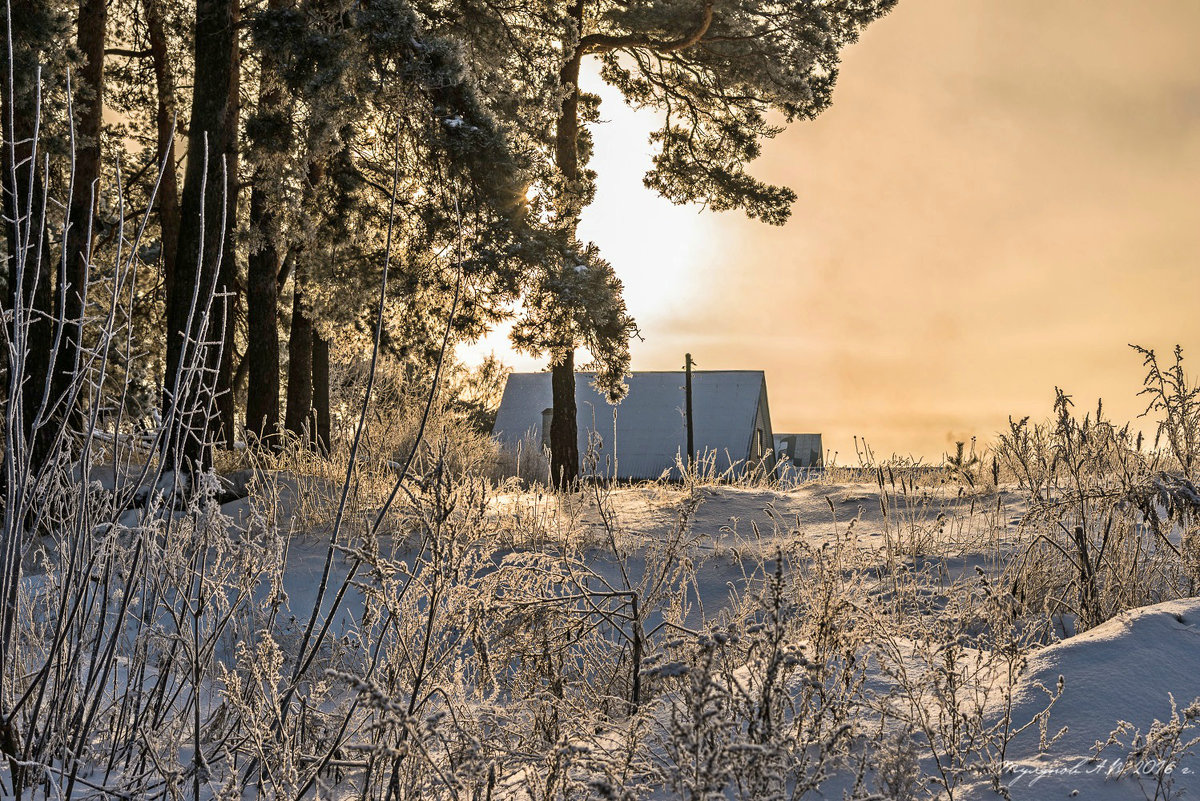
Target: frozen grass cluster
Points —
{"points": [[463, 638]]}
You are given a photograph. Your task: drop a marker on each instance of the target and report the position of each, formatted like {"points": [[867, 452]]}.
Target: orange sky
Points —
{"points": [[1003, 195]]}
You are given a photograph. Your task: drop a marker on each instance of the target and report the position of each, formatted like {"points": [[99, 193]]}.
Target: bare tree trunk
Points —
{"points": [[300, 361], [35, 290], [187, 395], [564, 436], [89, 97], [168, 188], [225, 424], [262, 327], [262, 280], [298, 417], [320, 385], [26, 243]]}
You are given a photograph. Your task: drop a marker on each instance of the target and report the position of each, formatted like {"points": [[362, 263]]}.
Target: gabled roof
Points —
{"points": [[649, 424]]}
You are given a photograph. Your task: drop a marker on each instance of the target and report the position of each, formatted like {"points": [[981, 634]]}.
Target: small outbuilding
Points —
{"points": [[645, 436], [800, 451]]}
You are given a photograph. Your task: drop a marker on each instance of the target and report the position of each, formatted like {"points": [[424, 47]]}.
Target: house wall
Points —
{"points": [[642, 437], [804, 451], [762, 438]]}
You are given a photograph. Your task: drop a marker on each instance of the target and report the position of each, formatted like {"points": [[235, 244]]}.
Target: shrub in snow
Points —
{"points": [[1105, 521]]}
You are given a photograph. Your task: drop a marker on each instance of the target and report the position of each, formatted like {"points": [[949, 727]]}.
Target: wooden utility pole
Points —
{"points": [[687, 391]]}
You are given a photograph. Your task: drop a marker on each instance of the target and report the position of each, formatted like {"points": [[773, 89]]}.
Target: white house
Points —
{"points": [[644, 436]]}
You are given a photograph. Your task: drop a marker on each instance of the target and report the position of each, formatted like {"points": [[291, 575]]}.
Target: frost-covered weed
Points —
{"points": [[1154, 758], [1109, 527], [951, 702]]}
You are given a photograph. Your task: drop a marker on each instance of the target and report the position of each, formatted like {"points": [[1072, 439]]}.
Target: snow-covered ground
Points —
{"points": [[1109, 733], [1126, 670]]}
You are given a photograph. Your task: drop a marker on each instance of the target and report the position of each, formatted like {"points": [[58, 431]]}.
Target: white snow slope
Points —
{"points": [[1124, 670]]}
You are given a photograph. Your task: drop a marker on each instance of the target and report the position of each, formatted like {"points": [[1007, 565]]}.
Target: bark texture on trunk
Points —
{"points": [[320, 385], [262, 328], [263, 270], [72, 279], [31, 332], [167, 199], [192, 365], [298, 416], [225, 424], [30, 273], [564, 437], [300, 362]]}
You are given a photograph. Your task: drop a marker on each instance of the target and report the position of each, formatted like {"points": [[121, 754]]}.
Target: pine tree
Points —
{"points": [[148, 59], [165, 124], [197, 306], [362, 86], [270, 134], [88, 98], [719, 72], [32, 116]]}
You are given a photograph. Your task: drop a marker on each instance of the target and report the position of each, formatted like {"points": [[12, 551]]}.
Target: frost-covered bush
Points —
{"points": [[1109, 526], [948, 676], [764, 707]]}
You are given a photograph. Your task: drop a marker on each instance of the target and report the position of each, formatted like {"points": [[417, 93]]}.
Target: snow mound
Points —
{"points": [[1126, 669]]}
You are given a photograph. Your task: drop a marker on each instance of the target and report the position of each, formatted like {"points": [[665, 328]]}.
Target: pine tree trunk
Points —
{"points": [[320, 386], [168, 187], [188, 392], [89, 101], [26, 245], [262, 288], [34, 334], [298, 414], [262, 327], [300, 363], [564, 436], [225, 423]]}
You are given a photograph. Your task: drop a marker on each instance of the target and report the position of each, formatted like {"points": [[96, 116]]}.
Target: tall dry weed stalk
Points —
{"points": [[1109, 525]]}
